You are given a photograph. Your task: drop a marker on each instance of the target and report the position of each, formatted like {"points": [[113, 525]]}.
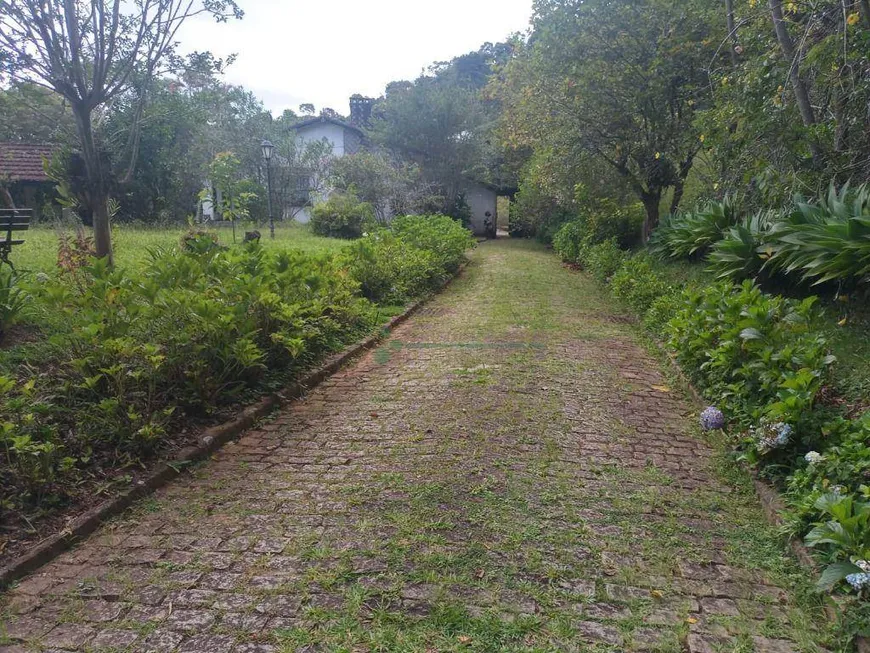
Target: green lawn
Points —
{"points": [[132, 244]]}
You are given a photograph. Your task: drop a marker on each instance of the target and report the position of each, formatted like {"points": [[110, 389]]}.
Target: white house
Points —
{"points": [[348, 138], [344, 138]]}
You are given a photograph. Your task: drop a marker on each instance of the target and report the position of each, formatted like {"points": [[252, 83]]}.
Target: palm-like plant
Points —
{"points": [[827, 240], [689, 234], [743, 250]]}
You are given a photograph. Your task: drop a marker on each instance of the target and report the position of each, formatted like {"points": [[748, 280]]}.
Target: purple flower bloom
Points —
{"points": [[858, 581], [712, 419]]}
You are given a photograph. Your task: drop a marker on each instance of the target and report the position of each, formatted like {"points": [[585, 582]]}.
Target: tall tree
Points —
{"points": [[89, 52], [443, 121], [617, 81]]}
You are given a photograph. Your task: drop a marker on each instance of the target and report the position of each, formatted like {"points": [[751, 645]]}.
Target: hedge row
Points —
{"points": [[197, 329], [762, 360]]}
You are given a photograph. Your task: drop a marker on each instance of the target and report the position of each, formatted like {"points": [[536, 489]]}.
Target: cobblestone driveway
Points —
{"points": [[510, 471]]}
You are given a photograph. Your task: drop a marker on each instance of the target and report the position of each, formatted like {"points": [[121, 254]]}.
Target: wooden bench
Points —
{"points": [[11, 222]]}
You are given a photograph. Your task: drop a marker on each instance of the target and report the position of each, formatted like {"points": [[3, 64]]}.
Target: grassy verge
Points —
{"points": [[132, 244]]}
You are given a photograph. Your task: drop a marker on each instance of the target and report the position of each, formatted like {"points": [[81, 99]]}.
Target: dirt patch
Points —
{"points": [[20, 334]]}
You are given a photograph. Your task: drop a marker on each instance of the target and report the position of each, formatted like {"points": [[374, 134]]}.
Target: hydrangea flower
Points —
{"points": [[839, 490], [814, 457], [42, 277], [712, 419], [858, 581], [773, 436], [863, 565]]}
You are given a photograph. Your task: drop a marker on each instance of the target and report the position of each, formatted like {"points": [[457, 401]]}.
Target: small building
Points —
{"points": [[483, 202], [23, 182]]}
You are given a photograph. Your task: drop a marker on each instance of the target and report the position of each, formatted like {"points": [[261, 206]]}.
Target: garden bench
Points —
{"points": [[12, 220]]}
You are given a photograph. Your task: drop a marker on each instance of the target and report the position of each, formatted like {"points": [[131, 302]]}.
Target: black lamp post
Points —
{"points": [[267, 155]]}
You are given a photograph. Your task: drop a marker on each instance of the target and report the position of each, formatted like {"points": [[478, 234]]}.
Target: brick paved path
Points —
{"points": [[509, 471]]}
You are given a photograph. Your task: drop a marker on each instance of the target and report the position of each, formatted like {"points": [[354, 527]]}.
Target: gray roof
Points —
{"points": [[310, 122]]}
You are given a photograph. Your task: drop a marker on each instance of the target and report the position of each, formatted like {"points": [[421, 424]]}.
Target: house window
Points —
{"points": [[302, 190]]}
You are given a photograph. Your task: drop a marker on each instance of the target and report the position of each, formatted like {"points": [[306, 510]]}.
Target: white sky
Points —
{"points": [[323, 51]]}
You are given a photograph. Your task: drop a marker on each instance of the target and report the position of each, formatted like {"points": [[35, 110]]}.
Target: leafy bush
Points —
{"points": [[415, 256], [606, 219], [742, 251], [602, 260], [534, 214], [341, 216], [844, 464], [844, 537], [569, 240], [200, 326], [685, 235], [444, 236], [761, 354], [390, 270], [662, 309], [827, 240], [637, 284]]}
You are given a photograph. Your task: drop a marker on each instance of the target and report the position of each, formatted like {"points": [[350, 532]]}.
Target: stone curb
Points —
{"points": [[209, 441]]}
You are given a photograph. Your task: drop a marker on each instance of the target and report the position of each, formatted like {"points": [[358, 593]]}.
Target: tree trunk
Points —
{"points": [[680, 183], [7, 197], [864, 9], [732, 30], [651, 201], [802, 96], [98, 196]]}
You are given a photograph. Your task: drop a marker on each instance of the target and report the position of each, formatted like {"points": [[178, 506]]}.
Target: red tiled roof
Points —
{"points": [[23, 162]]}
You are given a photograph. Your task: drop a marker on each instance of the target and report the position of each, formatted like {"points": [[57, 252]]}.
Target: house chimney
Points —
{"points": [[360, 109]]}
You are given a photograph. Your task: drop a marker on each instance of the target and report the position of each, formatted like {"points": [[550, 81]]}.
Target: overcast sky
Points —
{"points": [[295, 51]]}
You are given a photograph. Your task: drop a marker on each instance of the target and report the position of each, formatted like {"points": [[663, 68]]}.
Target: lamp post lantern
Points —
{"points": [[267, 148]]}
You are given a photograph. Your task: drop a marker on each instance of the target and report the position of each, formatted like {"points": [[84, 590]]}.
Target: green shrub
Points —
{"points": [[827, 240], [442, 235], [842, 535], [662, 309], [342, 216], [690, 234], [569, 240], [535, 214], [197, 329], [602, 259], [843, 464], [13, 300], [761, 355], [637, 284], [606, 220], [390, 270], [416, 255]]}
